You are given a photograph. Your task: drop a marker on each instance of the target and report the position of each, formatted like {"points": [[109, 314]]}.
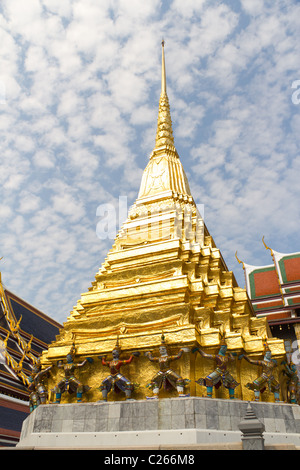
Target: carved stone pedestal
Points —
{"points": [[252, 430]]}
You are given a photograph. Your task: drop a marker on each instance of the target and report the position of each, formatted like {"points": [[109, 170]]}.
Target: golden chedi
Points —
{"points": [[163, 276]]}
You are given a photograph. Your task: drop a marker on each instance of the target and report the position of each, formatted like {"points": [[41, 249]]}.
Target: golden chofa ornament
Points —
{"points": [[163, 273]]}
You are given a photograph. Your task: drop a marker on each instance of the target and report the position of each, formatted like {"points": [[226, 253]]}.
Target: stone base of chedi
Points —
{"points": [[176, 423]]}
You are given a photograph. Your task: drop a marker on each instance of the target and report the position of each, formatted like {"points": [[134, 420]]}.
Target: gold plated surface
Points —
{"points": [[163, 274]]}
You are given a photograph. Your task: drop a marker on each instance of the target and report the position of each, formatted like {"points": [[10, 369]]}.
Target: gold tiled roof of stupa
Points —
{"points": [[163, 273]]}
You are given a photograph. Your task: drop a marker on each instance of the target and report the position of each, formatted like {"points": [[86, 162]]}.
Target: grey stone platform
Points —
{"points": [[169, 422]]}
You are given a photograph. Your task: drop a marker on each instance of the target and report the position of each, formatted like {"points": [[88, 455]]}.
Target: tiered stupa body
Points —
{"points": [[163, 274]]}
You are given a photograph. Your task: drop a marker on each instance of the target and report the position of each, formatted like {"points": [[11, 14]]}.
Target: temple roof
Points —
{"points": [[24, 333], [33, 322], [276, 285]]}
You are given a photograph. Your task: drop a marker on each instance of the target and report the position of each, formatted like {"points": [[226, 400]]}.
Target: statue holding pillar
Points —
{"points": [[116, 381], [70, 383], [291, 373], [220, 374], [38, 391], [266, 378], [293, 384], [166, 377]]}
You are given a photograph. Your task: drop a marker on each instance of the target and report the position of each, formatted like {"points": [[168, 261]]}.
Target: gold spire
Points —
{"points": [[163, 70], [164, 133], [164, 171]]}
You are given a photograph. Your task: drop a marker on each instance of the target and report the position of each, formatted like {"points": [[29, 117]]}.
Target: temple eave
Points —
{"points": [[142, 337]]}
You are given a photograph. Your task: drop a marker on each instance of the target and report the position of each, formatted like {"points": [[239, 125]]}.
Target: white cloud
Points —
{"points": [[62, 8], [189, 7], [253, 7], [43, 159], [28, 202], [5, 212], [14, 181]]}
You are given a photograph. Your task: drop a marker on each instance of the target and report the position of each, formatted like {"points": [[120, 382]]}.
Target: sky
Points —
{"points": [[79, 92]]}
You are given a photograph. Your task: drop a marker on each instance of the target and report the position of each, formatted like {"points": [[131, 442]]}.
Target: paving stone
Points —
{"points": [[287, 412], [125, 424], [102, 411], [200, 407], [177, 407], [139, 423], [151, 406], [114, 410], [270, 424], [90, 412], [46, 412], [56, 425], [297, 425], [165, 421], [200, 421], [126, 411], [78, 425], [279, 425], [278, 413], [151, 422], [235, 421], [212, 415], [42, 425], [223, 408], [225, 422], [165, 406], [79, 412], [178, 421], [268, 411], [296, 411], [90, 425], [290, 425], [67, 425], [101, 424], [189, 421], [113, 424]]}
